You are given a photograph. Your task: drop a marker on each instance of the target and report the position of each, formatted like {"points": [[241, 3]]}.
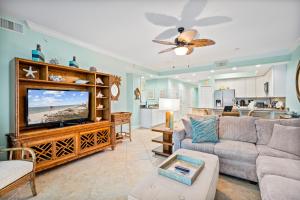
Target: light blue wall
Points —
{"points": [[14, 44], [291, 95], [133, 82]]}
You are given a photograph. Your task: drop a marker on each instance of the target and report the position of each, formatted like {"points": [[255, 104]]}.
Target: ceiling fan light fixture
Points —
{"points": [[180, 51]]}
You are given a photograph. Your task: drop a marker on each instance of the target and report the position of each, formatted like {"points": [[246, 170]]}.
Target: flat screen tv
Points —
{"points": [[46, 106]]}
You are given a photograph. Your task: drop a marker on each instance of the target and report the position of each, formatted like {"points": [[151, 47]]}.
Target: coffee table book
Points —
{"points": [[195, 166]]}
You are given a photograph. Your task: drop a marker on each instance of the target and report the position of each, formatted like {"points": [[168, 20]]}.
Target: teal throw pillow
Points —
{"points": [[204, 130]]}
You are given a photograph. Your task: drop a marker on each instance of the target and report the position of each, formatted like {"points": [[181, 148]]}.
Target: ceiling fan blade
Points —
{"points": [[191, 49], [164, 42], [161, 19], [167, 34], [192, 9], [208, 21], [167, 50], [187, 36], [201, 42]]}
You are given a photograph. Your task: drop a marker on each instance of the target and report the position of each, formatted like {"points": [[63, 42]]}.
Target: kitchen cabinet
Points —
{"points": [[250, 87]]}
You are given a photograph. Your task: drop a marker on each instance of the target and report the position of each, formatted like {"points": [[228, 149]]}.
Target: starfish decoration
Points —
{"points": [[30, 73]]}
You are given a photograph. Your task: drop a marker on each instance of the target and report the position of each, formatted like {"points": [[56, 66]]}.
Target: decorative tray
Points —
{"points": [[181, 168]]}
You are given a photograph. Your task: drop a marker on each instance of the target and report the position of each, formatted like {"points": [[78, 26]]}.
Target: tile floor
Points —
{"points": [[110, 175]]}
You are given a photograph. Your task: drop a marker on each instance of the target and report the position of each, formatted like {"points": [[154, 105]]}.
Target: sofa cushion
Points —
{"points": [[236, 150], [267, 165], [238, 128], [204, 130], [290, 122], [286, 138], [187, 127], [264, 150], [279, 188], [12, 170], [206, 147], [264, 130]]}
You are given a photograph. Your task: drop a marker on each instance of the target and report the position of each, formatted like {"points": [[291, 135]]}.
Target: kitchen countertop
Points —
{"points": [[247, 109]]}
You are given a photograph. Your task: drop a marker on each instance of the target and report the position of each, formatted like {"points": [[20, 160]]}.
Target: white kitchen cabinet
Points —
{"points": [[259, 86], [239, 85], [250, 87]]}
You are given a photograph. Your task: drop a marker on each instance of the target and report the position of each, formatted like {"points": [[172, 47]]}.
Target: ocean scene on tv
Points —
{"points": [[45, 106]]}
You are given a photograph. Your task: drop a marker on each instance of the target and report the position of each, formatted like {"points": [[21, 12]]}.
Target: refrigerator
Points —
{"points": [[224, 98]]}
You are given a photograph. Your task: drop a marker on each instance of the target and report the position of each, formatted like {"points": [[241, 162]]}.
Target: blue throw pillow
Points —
{"points": [[204, 130]]}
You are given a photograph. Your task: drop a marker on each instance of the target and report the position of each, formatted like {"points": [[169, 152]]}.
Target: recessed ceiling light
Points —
{"points": [[258, 65], [209, 77], [193, 74], [176, 76], [212, 71], [234, 68], [143, 77]]}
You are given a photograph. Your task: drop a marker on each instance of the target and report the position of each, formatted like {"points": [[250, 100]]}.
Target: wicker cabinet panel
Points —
{"points": [[65, 147], [87, 141], [103, 137], [43, 151]]}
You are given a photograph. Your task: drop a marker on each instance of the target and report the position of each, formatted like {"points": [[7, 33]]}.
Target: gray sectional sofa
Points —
{"points": [[243, 152]]}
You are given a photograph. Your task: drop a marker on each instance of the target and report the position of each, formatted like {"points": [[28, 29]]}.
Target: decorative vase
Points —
{"points": [[73, 63], [37, 54]]}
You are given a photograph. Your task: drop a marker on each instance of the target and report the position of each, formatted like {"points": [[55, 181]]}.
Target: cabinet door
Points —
{"points": [[250, 87], [240, 87], [259, 85]]}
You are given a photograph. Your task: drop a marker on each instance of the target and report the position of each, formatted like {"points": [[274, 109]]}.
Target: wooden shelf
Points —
{"points": [[102, 86], [54, 82], [101, 97], [160, 140], [101, 109], [159, 151]]}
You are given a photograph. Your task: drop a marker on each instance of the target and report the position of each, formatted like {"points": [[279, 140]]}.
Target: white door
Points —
{"points": [[206, 97]]}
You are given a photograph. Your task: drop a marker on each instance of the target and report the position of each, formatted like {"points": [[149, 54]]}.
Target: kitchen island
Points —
{"points": [[268, 113]]}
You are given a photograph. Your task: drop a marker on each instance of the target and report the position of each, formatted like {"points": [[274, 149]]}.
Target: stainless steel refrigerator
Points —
{"points": [[224, 98]]}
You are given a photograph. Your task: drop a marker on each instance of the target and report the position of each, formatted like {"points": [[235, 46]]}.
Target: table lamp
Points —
{"points": [[169, 105]]}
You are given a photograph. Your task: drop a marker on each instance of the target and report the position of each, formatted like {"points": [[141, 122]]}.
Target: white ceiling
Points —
{"points": [[235, 72], [258, 27]]}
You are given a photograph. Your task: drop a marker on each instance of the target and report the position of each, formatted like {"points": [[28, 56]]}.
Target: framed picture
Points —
{"points": [[298, 81]]}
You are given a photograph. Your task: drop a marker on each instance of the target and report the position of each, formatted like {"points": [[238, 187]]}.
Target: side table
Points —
{"points": [[119, 119], [166, 140]]}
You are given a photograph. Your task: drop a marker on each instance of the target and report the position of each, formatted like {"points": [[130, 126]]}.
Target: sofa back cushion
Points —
{"points": [[264, 129], [238, 128], [290, 122], [286, 138]]}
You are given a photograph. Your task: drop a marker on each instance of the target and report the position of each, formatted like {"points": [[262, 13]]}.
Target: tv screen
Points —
{"points": [[50, 106]]}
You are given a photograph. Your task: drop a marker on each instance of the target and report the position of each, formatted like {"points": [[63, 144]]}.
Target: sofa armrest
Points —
{"points": [[178, 136]]}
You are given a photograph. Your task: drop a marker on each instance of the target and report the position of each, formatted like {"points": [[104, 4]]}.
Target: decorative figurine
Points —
{"points": [[54, 61], [55, 78], [98, 119], [99, 95], [73, 63], [37, 54], [93, 69], [30, 73], [99, 106], [137, 93], [80, 81], [99, 81]]}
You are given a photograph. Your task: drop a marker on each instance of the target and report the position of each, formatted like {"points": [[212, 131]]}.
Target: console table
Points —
{"points": [[119, 119], [166, 140]]}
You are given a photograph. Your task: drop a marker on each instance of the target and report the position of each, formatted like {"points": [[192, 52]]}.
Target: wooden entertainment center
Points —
{"points": [[57, 145]]}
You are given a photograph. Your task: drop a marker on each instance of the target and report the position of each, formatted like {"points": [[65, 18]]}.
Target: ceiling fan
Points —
{"points": [[188, 19], [185, 42]]}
